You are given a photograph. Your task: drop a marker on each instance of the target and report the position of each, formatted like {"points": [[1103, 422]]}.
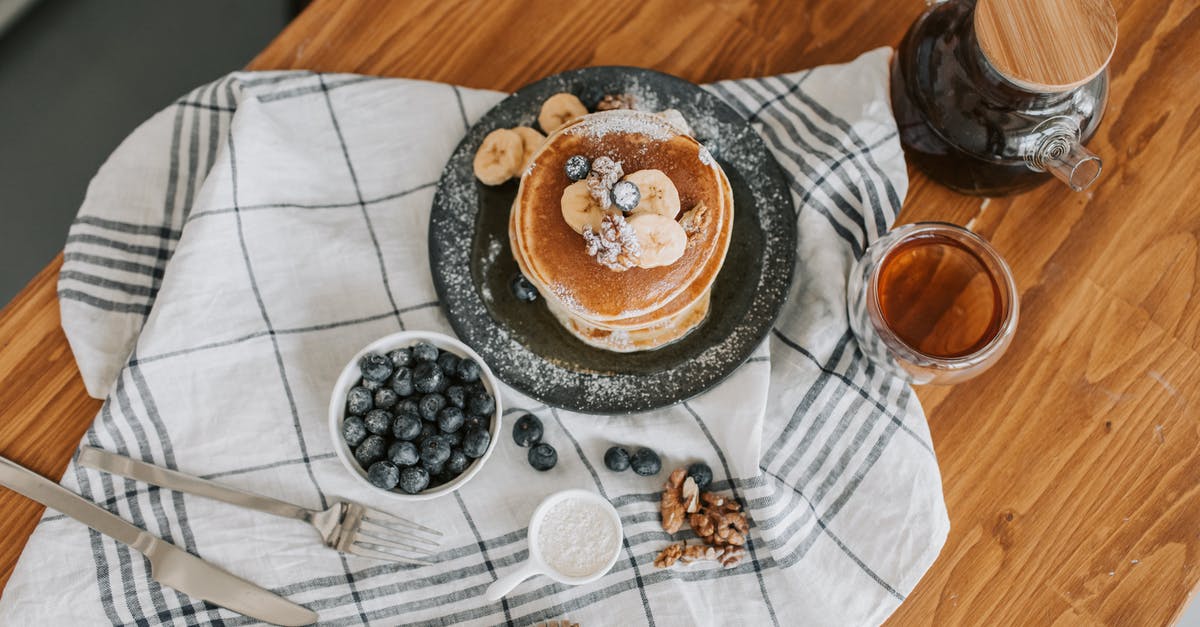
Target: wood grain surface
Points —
{"points": [[1071, 469]]}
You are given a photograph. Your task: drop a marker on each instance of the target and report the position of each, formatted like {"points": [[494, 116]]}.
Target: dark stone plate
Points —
{"points": [[525, 346]]}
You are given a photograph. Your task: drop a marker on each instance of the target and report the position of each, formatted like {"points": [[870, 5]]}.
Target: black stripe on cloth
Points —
{"points": [[131, 228], [487, 560], [99, 555], [337, 129], [794, 183], [843, 126], [103, 303], [814, 391], [842, 545], [287, 387], [868, 182], [303, 206], [99, 281], [88, 238], [462, 110], [762, 585], [168, 451], [277, 77], [600, 486], [312, 89], [899, 422], [775, 125], [204, 105], [123, 265]]}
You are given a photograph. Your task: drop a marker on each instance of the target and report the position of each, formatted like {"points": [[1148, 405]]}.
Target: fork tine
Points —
{"points": [[387, 533], [367, 549], [369, 513], [390, 542]]}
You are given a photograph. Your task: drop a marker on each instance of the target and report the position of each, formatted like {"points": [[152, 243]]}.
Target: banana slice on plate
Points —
{"points": [[676, 119], [531, 140], [659, 195], [560, 109], [499, 156], [580, 209], [662, 239]]}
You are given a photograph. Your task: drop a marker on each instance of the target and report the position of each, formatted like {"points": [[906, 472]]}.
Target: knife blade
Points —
{"points": [[169, 564]]}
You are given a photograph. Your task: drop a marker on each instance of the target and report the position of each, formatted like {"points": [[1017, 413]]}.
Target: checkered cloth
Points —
{"points": [[241, 245]]}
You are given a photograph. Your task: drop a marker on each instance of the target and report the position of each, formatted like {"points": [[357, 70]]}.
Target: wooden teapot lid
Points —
{"points": [[1047, 45]]}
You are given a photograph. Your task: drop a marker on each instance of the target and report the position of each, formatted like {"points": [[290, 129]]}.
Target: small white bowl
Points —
{"points": [[350, 375]]}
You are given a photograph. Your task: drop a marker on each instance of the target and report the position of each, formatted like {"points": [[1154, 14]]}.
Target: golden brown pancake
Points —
{"points": [[641, 308]]}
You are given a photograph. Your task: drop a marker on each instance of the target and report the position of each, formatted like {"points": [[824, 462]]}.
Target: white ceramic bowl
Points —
{"points": [[350, 375]]}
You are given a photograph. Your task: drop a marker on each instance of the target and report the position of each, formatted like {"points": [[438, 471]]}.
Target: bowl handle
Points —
{"points": [[505, 584]]}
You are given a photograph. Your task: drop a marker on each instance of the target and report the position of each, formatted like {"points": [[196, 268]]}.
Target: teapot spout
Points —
{"points": [[1078, 167]]}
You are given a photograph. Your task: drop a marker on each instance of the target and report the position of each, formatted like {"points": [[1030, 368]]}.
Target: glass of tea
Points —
{"points": [[933, 302]]}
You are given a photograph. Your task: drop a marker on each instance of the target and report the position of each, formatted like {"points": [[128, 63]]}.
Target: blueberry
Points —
{"points": [[543, 457], [386, 398], [442, 385], [370, 451], [625, 195], [383, 475], [430, 405], [645, 462], [522, 289], [456, 395], [453, 439], [475, 442], [527, 430], [375, 367], [354, 431], [408, 407], [428, 429], [413, 479], [616, 459], [400, 357], [701, 474], [468, 370], [476, 422], [403, 453], [427, 376], [402, 381], [577, 168], [434, 469], [370, 385], [434, 450], [448, 362], [450, 419], [406, 427], [456, 463], [424, 352], [378, 421], [481, 403], [359, 401]]}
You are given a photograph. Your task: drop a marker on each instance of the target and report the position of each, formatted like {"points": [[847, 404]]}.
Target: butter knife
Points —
{"points": [[169, 565]]}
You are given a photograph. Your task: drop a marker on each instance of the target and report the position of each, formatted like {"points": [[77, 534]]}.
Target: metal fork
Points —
{"points": [[345, 526]]}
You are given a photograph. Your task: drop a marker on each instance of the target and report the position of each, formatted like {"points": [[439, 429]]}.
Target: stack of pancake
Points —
{"points": [[639, 308]]}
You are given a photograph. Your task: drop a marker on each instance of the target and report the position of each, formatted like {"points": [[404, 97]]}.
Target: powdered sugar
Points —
{"points": [[597, 125], [577, 537]]}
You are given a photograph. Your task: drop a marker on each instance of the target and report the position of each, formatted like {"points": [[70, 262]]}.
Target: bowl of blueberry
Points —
{"points": [[415, 414]]}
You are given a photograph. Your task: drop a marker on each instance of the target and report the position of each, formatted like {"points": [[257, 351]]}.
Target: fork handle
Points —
{"points": [[116, 464]]}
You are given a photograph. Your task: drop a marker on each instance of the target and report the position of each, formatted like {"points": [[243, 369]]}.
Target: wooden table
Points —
{"points": [[1071, 469]]}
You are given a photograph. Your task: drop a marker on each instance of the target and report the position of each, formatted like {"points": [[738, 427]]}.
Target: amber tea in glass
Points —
{"points": [[933, 301]]}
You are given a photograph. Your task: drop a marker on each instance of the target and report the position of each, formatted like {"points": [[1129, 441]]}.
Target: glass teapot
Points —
{"points": [[994, 97]]}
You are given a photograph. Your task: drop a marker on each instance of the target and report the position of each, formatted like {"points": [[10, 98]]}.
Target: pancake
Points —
{"points": [[639, 308]]}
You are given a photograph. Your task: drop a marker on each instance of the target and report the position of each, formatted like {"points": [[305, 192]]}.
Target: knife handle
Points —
{"points": [[173, 480], [24, 481]]}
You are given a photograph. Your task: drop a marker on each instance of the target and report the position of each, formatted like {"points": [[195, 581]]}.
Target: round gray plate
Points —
{"points": [[525, 346]]}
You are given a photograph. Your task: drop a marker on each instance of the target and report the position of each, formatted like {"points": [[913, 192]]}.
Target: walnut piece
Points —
{"points": [[690, 495], [616, 246], [694, 220], [604, 174], [688, 554], [616, 101], [671, 501], [668, 556]]}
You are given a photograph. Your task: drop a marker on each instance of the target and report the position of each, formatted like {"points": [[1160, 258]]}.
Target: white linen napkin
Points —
{"points": [[230, 257]]}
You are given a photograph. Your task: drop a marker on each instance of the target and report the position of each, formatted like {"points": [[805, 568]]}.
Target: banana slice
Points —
{"points": [[659, 195], [499, 156], [560, 109], [531, 140], [580, 209], [662, 239], [676, 119]]}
